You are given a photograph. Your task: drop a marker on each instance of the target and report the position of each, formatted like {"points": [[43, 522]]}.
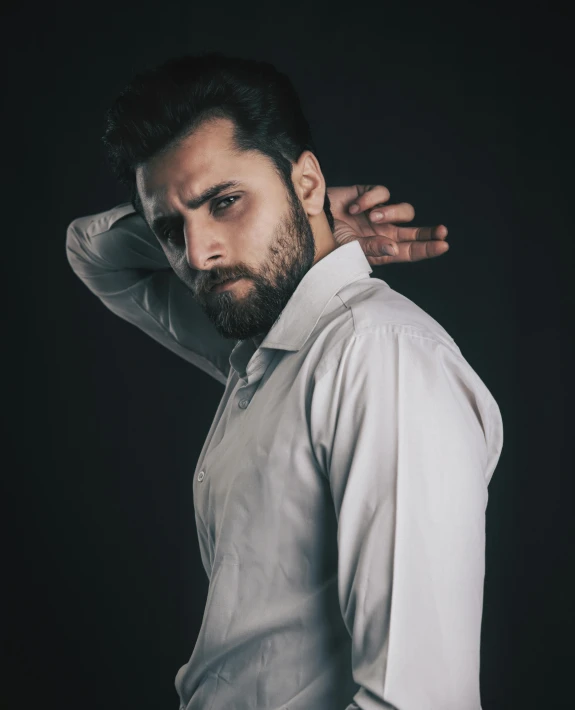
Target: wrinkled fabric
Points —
{"points": [[340, 494]]}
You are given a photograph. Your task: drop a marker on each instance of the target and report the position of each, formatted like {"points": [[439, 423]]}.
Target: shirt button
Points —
{"points": [[244, 403], [201, 475]]}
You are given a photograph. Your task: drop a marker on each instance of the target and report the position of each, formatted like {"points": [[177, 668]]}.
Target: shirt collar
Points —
{"points": [[346, 263]]}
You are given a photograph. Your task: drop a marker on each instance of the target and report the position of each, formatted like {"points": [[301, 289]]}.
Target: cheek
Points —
{"points": [[254, 231]]}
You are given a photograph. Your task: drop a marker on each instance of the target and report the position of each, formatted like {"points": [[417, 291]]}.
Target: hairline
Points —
{"points": [[209, 116]]}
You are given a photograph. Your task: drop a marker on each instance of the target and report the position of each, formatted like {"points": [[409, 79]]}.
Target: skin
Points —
{"points": [[266, 234]]}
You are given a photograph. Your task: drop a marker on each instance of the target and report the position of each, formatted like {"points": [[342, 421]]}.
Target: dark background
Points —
{"points": [[460, 110]]}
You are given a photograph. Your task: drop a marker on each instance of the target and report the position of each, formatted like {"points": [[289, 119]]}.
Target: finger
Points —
{"points": [[416, 251], [378, 252], [381, 260], [369, 199], [403, 212], [430, 249], [377, 246], [422, 234]]}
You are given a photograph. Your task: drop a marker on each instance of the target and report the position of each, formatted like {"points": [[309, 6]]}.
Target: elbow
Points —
{"points": [[73, 245]]}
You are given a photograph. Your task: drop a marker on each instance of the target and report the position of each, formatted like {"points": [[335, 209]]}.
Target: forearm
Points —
{"points": [[117, 256], [117, 240]]}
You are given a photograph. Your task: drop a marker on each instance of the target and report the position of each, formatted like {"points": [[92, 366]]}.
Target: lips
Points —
{"points": [[225, 281]]}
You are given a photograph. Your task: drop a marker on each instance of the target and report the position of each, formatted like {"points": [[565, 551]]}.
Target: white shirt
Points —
{"points": [[340, 494]]}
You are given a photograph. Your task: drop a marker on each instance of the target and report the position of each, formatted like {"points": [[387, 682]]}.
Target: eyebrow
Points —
{"points": [[195, 203]]}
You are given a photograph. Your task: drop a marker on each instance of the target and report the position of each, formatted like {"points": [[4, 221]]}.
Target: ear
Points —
{"points": [[309, 183]]}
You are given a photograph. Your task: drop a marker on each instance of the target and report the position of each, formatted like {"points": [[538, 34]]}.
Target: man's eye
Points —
{"points": [[229, 197], [168, 234]]}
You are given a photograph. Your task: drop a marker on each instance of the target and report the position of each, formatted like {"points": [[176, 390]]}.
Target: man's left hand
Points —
{"points": [[381, 239]]}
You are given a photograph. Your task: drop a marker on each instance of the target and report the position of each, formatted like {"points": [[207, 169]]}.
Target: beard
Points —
{"points": [[290, 256]]}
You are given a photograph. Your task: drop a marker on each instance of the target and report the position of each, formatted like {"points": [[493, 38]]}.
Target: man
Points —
{"points": [[340, 494]]}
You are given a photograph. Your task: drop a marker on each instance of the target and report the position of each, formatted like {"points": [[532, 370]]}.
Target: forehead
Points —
{"points": [[205, 157]]}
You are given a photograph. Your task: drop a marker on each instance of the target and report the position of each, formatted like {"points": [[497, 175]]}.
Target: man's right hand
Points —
{"points": [[381, 239]]}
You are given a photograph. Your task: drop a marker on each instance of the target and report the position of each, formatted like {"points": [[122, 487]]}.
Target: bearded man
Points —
{"points": [[340, 494]]}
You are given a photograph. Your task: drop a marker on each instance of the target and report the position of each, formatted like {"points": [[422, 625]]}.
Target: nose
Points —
{"points": [[204, 246]]}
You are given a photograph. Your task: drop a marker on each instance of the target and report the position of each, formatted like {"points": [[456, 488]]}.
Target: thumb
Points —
{"points": [[378, 246], [373, 246]]}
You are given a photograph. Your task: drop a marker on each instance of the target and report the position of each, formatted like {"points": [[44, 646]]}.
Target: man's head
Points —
{"points": [[203, 122]]}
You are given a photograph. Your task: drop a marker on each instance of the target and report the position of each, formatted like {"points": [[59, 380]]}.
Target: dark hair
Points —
{"points": [[162, 106]]}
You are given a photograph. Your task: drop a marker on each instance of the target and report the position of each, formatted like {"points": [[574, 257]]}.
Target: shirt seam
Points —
{"points": [[388, 328], [112, 219]]}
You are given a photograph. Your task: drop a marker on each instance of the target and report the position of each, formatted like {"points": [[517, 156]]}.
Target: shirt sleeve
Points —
{"points": [[411, 439], [118, 257]]}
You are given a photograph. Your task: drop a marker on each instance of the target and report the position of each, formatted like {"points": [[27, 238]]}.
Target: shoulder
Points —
{"points": [[374, 307], [382, 342], [371, 313]]}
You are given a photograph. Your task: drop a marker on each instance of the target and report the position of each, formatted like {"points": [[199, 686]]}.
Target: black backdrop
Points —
{"points": [[460, 110]]}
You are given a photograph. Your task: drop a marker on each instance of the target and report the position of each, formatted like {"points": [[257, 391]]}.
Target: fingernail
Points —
{"points": [[376, 215], [389, 249], [353, 209]]}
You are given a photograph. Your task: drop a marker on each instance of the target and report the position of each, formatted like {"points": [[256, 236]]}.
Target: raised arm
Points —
{"points": [[117, 256]]}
